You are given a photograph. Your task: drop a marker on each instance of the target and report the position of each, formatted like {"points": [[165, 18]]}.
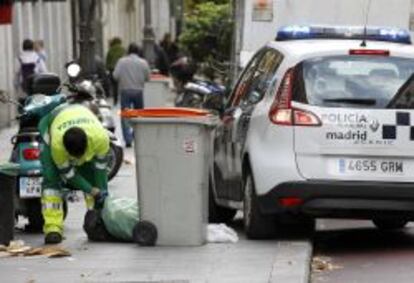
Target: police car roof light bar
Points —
{"points": [[297, 32]]}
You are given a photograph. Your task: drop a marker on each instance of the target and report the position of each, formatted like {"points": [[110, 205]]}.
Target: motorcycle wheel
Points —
{"points": [[116, 157]]}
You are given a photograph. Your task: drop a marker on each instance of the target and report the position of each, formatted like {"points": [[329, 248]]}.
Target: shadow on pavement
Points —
{"points": [[362, 240]]}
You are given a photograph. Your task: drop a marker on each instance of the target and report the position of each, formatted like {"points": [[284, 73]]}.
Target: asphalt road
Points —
{"points": [[356, 252]]}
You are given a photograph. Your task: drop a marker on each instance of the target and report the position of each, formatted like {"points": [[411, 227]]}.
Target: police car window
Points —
{"points": [[352, 81], [263, 75], [245, 80]]}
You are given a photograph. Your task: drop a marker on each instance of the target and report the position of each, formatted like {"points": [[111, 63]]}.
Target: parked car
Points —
{"points": [[319, 125]]}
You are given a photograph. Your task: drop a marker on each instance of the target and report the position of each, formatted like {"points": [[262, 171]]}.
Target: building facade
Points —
{"points": [[55, 22]]}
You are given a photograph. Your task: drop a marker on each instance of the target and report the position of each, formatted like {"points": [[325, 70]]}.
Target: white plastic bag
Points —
{"points": [[221, 233]]}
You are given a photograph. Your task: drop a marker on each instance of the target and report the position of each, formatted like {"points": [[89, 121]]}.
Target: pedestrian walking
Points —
{"points": [[116, 51], [74, 155], [131, 73], [170, 47], [162, 64], [28, 64]]}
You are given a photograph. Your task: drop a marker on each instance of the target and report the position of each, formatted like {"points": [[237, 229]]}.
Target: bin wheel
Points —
{"points": [[145, 234]]}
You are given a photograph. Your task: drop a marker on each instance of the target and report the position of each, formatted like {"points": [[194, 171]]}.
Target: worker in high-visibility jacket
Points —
{"points": [[74, 155]]}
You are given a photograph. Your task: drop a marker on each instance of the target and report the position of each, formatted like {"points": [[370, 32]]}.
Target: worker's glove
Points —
{"points": [[99, 197]]}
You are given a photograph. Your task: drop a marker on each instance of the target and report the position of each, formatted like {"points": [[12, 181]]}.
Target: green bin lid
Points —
{"points": [[10, 169]]}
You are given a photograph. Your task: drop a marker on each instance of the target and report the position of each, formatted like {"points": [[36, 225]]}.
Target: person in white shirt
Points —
{"points": [[39, 47], [28, 64]]}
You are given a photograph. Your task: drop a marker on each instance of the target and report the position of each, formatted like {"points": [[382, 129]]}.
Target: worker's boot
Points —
{"points": [[53, 238], [52, 210]]}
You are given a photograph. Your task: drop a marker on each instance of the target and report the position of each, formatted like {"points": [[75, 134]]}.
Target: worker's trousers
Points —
{"points": [[53, 191]]}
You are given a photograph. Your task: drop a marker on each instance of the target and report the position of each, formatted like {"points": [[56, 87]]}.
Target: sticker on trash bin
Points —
{"points": [[189, 146]]}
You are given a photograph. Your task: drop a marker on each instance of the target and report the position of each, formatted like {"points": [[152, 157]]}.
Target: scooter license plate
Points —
{"points": [[30, 187]]}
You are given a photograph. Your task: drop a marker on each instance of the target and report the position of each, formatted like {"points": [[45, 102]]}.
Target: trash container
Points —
{"points": [[8, 179], [157, 92], [173, 150]]}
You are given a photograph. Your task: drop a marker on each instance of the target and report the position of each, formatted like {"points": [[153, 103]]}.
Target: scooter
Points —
{"points": [[27, 146]]}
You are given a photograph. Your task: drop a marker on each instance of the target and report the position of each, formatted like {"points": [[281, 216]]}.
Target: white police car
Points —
{"points": [[319, 124]]}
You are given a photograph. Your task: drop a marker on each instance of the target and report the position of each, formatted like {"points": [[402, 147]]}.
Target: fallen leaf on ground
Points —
{"points": [[18, 248], [323, 264], [49, 251], [128, 162]]}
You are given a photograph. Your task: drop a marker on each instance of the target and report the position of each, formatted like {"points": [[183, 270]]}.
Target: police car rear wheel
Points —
{"points": [[256, 225]]}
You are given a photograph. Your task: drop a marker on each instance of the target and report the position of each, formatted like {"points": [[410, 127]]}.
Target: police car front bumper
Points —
{"points": [[360, 200]]}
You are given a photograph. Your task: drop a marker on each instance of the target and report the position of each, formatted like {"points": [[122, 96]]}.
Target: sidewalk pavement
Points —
{"points": [[245, 261], [6, 135]]}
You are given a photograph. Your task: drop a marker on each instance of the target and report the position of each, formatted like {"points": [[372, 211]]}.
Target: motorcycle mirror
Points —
{"points": [[73, 70]]}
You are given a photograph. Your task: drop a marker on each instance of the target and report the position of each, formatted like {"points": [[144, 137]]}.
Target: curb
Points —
{"points": [[292, 262]]}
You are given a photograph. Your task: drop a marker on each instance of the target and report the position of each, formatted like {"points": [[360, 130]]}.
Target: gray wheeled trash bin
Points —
{"points": [[173, 150], [8, 173], [157, 92]]}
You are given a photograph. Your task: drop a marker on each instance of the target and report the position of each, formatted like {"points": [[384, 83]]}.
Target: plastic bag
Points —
{"points": [[120, 215], [221, 233]]}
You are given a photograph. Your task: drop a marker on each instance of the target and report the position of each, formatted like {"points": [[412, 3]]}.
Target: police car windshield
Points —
{"points": [[352, 81]]}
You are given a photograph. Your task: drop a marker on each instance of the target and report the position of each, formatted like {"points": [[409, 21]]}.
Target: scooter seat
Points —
{"points": [[28, 130]]}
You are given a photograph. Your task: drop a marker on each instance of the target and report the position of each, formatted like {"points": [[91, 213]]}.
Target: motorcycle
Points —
{"points": [[192, 92], [27, 146], [201, 94]]}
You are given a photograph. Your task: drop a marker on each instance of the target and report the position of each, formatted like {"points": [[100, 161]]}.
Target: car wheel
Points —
{"points": [[390, 224], [256, 225], [216, 213]]}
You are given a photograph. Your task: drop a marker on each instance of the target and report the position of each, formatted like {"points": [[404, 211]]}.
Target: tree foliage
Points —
{"points": [[207, 35]]}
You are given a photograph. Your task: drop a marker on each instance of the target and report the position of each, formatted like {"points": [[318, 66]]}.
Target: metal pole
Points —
{"points": [[149, 37], [87, 38]]}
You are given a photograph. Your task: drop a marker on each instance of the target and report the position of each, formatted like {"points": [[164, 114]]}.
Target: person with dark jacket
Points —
{"points": [[170, 47], [116, 51]]}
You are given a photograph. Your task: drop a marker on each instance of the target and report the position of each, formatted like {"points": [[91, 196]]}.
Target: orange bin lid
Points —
{"points": [[158, 77], [165, 112]]}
